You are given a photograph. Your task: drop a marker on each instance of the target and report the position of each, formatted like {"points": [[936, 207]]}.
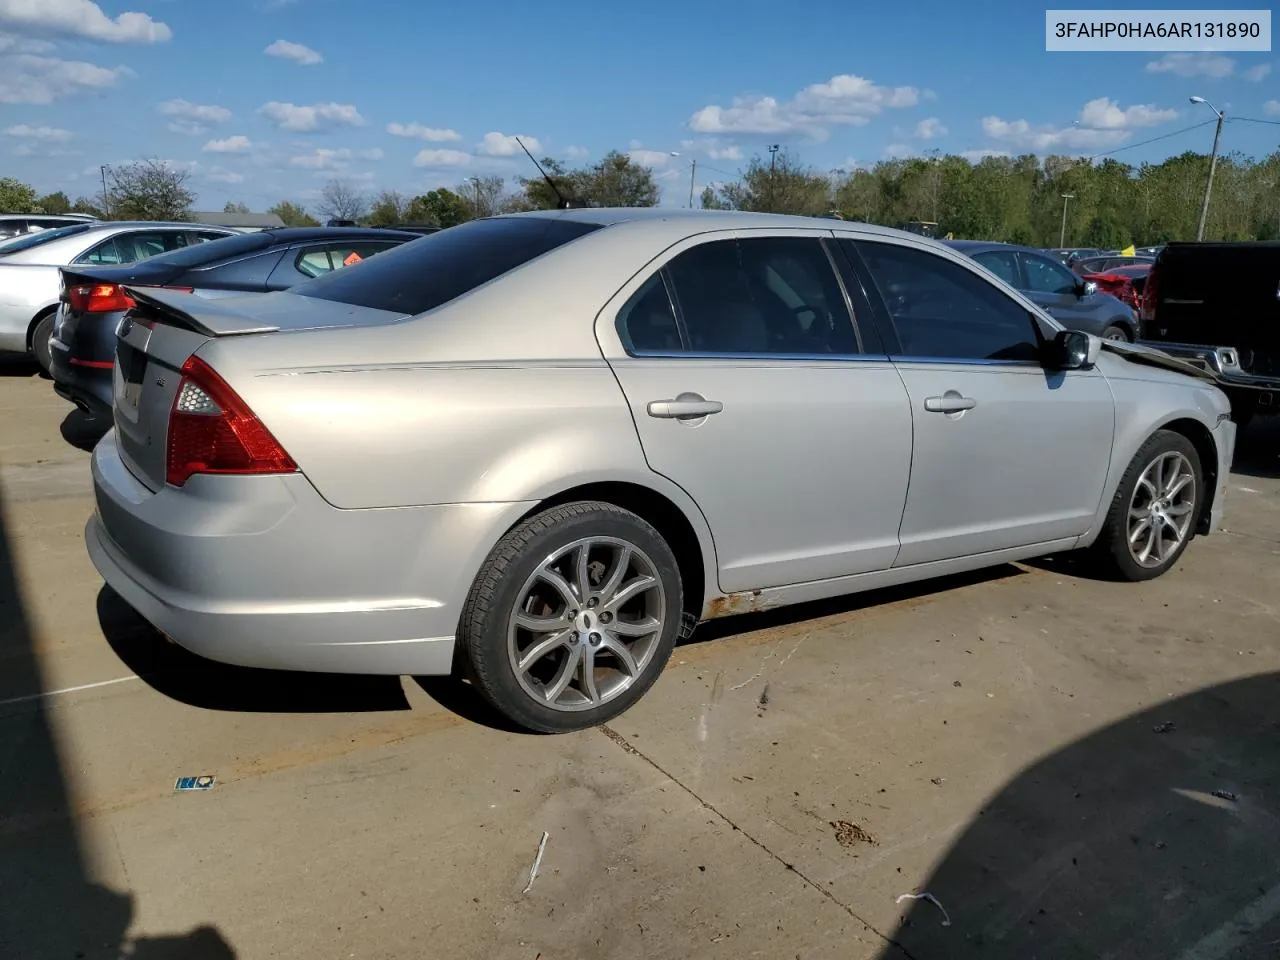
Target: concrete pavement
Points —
{"points": [[991, 740]]}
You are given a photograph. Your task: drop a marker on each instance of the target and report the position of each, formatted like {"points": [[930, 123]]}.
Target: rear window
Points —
{"points": [[201, 253], [44, 236], [425, 273]]}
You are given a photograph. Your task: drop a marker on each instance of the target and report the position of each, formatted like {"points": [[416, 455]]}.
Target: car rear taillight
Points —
{"points": [[1150, 295], [211, 430], [98, 298]]}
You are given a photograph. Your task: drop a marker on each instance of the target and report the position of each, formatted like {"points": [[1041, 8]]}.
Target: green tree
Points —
{"points": [[54, 203], [149, 189], [231, 207], [617, 181], [293, 214], [441, 207], [389, 207], [16, 196], [779, 185], [538, 194], [85, 205], [342, 200]]}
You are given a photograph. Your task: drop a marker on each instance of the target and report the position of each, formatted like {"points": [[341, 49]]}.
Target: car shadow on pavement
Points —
{"points": [[17, 366], [1258, 449], [50, 906], [183, 676], [1156, 836], [82, 431]]}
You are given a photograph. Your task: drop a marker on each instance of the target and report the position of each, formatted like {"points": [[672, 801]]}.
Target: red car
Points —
{"points": [[1124, 283]]}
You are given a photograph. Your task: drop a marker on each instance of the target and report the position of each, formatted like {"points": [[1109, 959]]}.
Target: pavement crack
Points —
{"points": [[628, 747]]}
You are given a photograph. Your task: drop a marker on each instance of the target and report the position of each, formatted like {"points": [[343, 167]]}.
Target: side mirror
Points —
{"points": [[1086, 288], [1073, 350]]}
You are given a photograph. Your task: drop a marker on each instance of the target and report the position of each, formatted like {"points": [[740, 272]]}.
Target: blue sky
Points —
{"points": [[265, 100]]}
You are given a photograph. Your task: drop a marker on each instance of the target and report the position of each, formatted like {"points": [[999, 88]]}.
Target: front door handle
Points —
{"points": [[687, 406], [950, 402]]}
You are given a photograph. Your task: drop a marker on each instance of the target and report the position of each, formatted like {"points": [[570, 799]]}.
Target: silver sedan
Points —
{"points": [[541, 448]]}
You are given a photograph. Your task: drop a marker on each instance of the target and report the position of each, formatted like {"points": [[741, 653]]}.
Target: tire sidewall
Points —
{"points": [[1163, 441], [40, 347], [486, 648]]}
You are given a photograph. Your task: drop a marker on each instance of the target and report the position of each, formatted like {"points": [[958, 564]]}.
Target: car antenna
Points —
{"points": [[562, 203]]}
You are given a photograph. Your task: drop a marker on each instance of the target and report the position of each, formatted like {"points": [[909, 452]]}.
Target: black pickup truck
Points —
{"points": [[1217, 305]]}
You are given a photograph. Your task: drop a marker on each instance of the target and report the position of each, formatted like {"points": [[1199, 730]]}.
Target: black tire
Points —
{"points": [[40, 349], [1116, 332], [1111, 549], [485, 621]]}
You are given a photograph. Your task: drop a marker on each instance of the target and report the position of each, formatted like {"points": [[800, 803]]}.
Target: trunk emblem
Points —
{"points": [[159, 381], [126, 327]]}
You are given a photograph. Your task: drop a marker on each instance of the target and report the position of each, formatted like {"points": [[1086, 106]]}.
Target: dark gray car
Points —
{"points": [[1041, 277]]}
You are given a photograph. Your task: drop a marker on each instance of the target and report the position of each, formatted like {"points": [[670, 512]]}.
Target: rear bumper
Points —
{"points": [[87, 387], [1222, 362], [262, 572]]}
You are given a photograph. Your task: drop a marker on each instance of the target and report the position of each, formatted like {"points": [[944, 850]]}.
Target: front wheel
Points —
{"points": [[41, 346], [572, 617], [1153, 514], [1116, 332]]}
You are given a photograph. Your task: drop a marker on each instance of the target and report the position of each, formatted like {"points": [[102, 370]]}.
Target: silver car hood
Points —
{"points": [[1141, 353]]}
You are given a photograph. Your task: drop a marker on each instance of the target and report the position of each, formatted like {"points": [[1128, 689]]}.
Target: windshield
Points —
{"points": [[425, 273], [210, 250], [44, 236]]}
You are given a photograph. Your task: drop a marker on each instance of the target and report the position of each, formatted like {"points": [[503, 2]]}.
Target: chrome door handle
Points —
{"points": [[951, 403], [683, 407]]}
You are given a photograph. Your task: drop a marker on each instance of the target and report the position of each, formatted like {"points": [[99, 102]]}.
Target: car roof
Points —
{"points": [[296, 234], [971, 247]]}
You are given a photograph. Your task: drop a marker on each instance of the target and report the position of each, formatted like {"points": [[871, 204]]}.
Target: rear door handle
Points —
{"points": [[683, 407], [951, 402]]}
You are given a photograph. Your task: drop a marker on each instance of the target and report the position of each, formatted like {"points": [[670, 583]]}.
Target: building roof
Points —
{"points": [[261, 220]]}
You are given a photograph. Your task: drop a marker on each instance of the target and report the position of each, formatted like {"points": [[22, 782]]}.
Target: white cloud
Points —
{"points": [[1102, 123], [26, 78], [418, 132], [713, 147], [325, 158], [930, 128], [1260, 72], [11, 44], [651, 158], [976, 156], [442, 158], [237, 144], [576, 153], [192, 119], [731, 152], [1271, 108], [1105, 114], [81, 18], [1212, 65], [899, 151], [844, 100], [225, 176], [503, 145], [288, 50], [305, 119], [32, 148], [46, 134]]}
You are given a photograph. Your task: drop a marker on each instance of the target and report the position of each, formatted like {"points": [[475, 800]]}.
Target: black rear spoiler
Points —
{"points": [[210, 317]]}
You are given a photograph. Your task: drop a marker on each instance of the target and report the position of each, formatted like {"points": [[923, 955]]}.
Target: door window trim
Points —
{"points": [[823, 237], [884, 317]]}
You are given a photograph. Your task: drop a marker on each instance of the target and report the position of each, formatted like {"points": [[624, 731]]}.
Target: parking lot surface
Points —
{"points": [[1068, 767]]}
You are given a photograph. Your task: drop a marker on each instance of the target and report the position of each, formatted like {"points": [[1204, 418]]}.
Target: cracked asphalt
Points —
{"points": [[1070, 768]]}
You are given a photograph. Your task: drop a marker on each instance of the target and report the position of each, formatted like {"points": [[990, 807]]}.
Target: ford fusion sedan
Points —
{"points": [[539, 448], [93, 303]]}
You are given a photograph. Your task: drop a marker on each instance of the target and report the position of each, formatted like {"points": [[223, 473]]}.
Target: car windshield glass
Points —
{"points": [[202, 253], [425, 273], [44, 236]]}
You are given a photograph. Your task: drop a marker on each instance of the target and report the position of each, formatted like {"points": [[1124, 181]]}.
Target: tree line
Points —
{"points": [[1025, 199]]}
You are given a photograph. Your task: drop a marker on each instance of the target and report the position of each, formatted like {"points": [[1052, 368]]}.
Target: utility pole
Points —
{"points": [[693, 172], [476, 183], [1062, 237], [106, 207], [1213, 163], [773, 159]]}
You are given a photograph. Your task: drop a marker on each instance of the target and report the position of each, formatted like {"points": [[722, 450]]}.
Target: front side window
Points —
{"points": [[763, 295], [942, 311], [1045, 276]]}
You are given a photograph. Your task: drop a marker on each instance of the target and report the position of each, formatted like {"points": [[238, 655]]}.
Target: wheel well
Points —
{"points": [[652, 507], [31, 330], [1126, 325], [1202, 440]]}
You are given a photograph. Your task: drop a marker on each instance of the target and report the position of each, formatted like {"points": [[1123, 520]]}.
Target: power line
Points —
{"points": [[1143, 143], [1274, 123]]}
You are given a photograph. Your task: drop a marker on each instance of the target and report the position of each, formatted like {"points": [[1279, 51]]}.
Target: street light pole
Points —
{"points": [[106, 210], [1213, 163], [693, 172], [476, 183], [1062, 237], [773, 158]]}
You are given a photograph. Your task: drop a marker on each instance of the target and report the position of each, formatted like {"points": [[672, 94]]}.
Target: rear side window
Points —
{"points": [[318, 260], [44, 236], [132, 247], [423, 274]]}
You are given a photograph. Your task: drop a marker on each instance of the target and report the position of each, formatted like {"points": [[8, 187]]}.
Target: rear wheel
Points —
{"points": [[1116, 332], [572, 617], [1153, 514], [41, 347]]}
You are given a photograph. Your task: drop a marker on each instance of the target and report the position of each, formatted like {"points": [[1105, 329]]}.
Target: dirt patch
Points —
{"points": [[849, 834]]}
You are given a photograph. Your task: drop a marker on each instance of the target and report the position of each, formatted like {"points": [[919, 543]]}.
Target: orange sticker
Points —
{"points": [[352, 257]]}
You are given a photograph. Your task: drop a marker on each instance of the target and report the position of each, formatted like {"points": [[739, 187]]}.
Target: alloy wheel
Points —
{"points": [[1161, 509]]}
